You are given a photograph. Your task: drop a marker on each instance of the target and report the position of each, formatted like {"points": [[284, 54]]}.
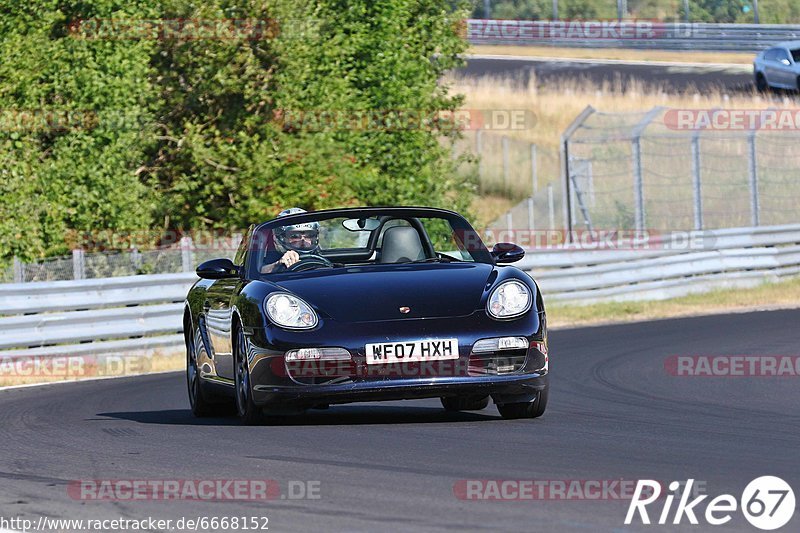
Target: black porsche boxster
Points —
{"points": [[365, 304]]}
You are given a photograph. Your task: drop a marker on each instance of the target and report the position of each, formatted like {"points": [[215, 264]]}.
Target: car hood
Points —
{"points": [[374, 293]]}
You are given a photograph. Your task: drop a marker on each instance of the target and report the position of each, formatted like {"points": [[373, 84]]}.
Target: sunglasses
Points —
{"points": [[296, 236]]}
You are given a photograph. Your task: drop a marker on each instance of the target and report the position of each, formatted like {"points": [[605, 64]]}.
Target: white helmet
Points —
{"points": [[283, 234]]}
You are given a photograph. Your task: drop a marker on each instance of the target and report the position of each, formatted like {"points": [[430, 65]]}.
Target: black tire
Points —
{"points": [[200, 405], [460, 403], [247, 411], [761, 83], [798, 83], [532, 409]]}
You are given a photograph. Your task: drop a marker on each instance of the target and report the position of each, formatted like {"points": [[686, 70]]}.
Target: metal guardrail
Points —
{"points": [[725, 258], [121, 315], [631, 34], [107, 315]]}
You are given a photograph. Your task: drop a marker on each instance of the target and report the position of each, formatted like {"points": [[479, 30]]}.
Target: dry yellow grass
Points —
{"points": [[785, 294], [555, 106], [30, 370], [615, 53], [484, 209]]}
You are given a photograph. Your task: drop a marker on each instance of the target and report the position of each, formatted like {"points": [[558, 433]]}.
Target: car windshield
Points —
{"points": [[362, 239], [796, 55]]}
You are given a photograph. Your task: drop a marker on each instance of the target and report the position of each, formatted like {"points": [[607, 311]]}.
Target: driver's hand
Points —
{"points": [[289, 258]]}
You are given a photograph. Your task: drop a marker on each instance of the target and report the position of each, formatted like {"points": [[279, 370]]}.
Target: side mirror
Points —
{"points": [[786, 62], [218, 269], [506, 252]]}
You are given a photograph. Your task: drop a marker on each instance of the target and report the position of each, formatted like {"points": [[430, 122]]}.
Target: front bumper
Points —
{"points": [[274, 385], [503, 389]]}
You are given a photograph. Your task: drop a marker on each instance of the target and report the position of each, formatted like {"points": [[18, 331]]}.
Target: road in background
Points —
{"points": [[615, 413]]}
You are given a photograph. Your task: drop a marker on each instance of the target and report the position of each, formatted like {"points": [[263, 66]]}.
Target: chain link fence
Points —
{"points": [[658, 170], [183, 256], [669, 169], [516, 169]]}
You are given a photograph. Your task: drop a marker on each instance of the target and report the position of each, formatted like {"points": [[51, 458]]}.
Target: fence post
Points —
{"points": [[638, 184], [236, 241], [510, 225], [479, 152], [136, 259], [530, 213], [78, 264], [19, 270], [187, 259], [565, 170], [551, 206], [698, 197], [638, 179], [534, 175], [753, 172], [505, 163]]}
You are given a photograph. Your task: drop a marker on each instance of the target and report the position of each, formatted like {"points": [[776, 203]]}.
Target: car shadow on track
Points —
{"points": [[337, 415]]}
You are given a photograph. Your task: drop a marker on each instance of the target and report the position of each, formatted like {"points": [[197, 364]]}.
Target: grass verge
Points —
{"points": [[45, 369], [738, 58], [779, 295]]}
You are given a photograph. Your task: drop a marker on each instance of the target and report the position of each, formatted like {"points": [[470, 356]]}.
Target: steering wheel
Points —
{"points": [[309, 262]]}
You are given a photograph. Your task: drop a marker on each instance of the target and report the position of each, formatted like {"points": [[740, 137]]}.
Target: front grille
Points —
{"points": [[497, 363], [320, 372]]}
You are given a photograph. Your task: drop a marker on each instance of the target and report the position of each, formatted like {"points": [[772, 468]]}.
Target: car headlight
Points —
{"points": [[290, 311], [509, 299]]}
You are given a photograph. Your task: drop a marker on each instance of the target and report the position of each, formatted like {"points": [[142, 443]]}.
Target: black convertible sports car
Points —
{"points": [[365, 304]]}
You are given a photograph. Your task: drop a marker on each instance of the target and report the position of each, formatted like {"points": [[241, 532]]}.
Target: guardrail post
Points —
{"points": [[187, 255], [506, 164], [19, 270], [551, 206], [534, 176], [753, 175], [696, 183], [78, 264]]}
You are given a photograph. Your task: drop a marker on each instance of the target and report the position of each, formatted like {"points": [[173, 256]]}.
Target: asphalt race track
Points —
{"points": [[672, 78], [614, 413]]}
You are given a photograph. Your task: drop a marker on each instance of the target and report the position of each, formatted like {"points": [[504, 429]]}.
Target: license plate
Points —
{"points": [[382, 353]]}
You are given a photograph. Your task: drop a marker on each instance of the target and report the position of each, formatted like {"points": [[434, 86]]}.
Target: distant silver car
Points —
{"points": [[778, 67]]}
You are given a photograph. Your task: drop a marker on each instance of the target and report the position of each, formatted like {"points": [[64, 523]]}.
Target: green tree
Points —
{"points": [[187, 133]]}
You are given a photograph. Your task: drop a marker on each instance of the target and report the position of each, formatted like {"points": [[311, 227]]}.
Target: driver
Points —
{"points": [[294, 242]]}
